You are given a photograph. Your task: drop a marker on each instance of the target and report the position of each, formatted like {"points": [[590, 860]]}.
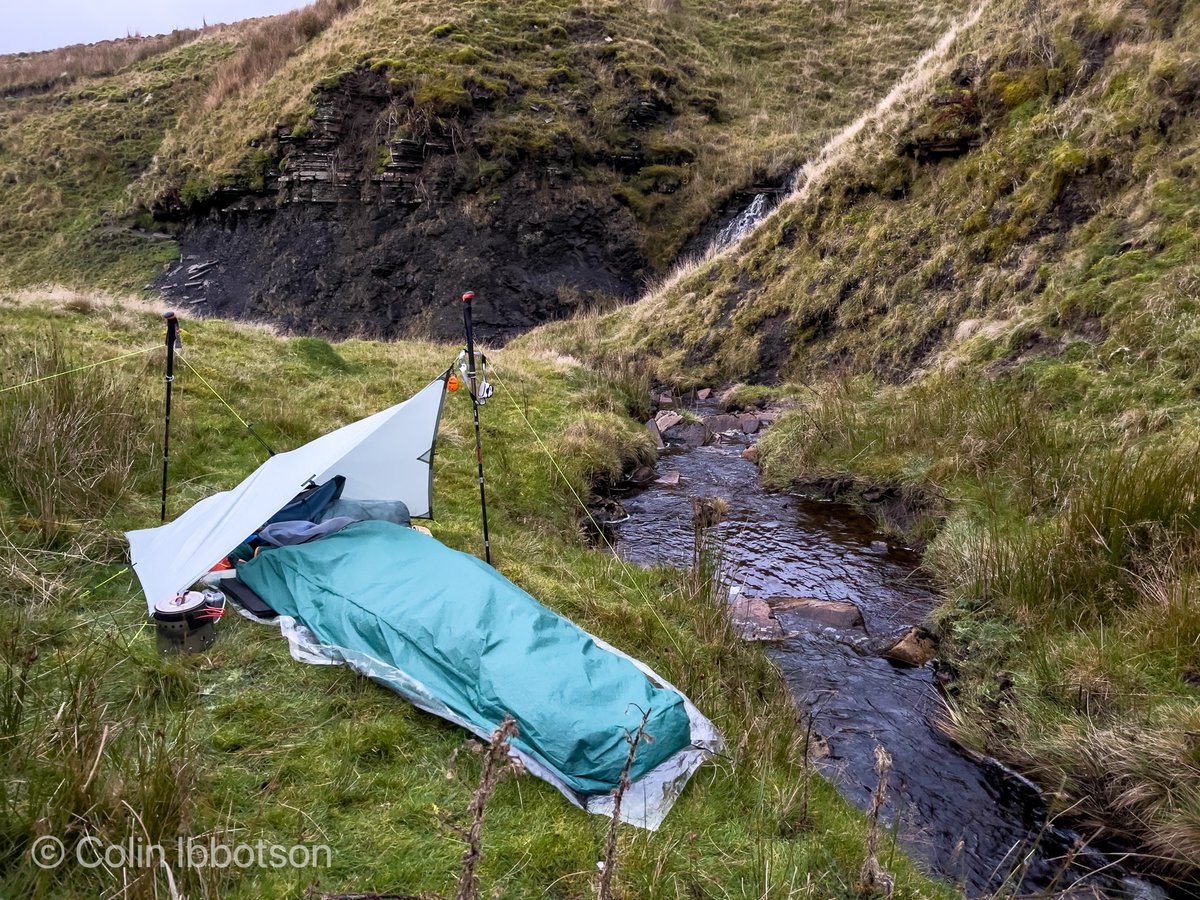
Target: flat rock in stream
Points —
{"points": [[694, 434], [667, 420], [752, 618], [821, 613], [723, 422], [751, 453], [703, 393], [750, 423], [670, 479]]}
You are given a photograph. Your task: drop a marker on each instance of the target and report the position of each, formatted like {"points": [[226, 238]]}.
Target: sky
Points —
{"points": [[46, 24]]}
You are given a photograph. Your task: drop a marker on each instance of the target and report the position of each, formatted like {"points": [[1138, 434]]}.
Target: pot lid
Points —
{"points": [[181, 603]]}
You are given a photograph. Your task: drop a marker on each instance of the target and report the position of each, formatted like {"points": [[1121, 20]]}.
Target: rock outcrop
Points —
{"points": [[351, 236]]}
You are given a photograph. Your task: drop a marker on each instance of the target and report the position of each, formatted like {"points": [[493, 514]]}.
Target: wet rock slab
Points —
{"points": [[693, 434], [752, 618], [916, 648]]}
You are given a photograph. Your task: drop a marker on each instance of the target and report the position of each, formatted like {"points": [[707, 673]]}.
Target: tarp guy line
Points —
{"points": [[224, 402], [78, 369], [624, 564]]}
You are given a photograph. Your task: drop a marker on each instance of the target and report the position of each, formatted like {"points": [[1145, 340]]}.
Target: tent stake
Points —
{"points": [[467, 325], [172, 342]]}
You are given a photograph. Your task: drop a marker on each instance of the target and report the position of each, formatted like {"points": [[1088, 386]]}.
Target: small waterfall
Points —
{"points": [[749, 218], [745, 222]]}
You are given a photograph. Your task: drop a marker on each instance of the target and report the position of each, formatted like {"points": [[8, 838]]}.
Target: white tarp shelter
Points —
{"points": [[386, 456]]}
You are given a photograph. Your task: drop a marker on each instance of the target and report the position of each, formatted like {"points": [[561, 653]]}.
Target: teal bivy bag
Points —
{"points": [[441, 628], [477, 643]]}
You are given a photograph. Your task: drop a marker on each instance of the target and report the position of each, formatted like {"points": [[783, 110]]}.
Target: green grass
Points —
{"points": [[68, 157], [1076, 220], [102, 736]]}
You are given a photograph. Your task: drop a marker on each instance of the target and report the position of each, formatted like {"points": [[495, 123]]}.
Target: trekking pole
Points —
{"points": [[172, 342], [467, 326]]}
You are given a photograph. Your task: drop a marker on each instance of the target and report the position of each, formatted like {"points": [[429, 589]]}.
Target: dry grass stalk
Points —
{"points": [[875, 878], [496, 764], [707, 513], [610, 845], [806, 793], [69, 445], [270, 45]]}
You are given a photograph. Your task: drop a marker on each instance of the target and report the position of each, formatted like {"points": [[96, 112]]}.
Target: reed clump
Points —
{"points": [[70, 445]]}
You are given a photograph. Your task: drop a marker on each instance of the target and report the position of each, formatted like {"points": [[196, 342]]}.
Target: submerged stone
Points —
{"points": [[821, 613], [723, 422]]}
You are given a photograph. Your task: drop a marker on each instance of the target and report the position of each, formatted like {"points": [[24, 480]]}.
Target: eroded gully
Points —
{"points": [[968, 819]]}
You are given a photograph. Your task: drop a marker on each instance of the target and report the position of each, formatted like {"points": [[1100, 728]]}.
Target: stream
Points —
{"points": [[968, 819]]}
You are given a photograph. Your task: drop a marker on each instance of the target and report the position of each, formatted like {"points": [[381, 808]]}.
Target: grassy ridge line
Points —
{"points": [[40, 71], [68, 156], [244, 741], [751, 89], [745, 92], [1003, 331]]}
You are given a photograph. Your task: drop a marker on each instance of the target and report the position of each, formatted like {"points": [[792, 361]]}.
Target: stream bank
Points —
{"points": [[970, 820]]}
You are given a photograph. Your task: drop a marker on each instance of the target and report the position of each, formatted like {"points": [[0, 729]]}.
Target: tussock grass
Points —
{"points": [[69, 446], [88, 744], [268, 44], [41, 71], [587, 447], [289, 753]]}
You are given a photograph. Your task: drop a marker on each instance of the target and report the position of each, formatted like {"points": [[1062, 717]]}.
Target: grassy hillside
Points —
{"points": [[670, 107], [68, 154], [103, 736], [989, 305]]}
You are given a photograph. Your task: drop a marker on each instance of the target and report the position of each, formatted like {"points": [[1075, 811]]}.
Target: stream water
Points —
{"points": [[969, 819]]}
